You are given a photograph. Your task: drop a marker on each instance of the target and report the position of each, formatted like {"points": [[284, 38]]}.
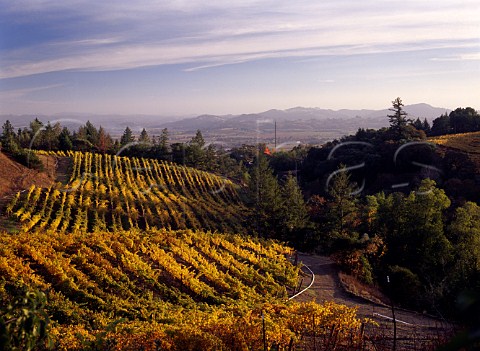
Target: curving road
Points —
{"points": [[413, 329]]}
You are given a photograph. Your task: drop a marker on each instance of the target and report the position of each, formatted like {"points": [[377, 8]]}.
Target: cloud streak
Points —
{"points": [[126, 36]]}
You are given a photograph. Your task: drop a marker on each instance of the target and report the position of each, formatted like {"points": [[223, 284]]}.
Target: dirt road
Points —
{"points": [[413, 329]]}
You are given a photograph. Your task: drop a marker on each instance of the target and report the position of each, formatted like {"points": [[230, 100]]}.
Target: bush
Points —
{"points": [[28, 158], [24, 322], [404, 286]]}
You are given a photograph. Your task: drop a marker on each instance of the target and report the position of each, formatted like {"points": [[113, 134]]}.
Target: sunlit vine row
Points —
{"points": [[93, 278], [111, 192]]}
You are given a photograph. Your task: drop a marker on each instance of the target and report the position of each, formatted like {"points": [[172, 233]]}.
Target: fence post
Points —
{"points": [[393, 316]]}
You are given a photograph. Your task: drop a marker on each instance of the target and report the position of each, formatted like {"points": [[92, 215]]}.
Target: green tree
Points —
{"points": [[426, 226], [426, 126], [398, 120], [264, 197], [418, 124], [161, 147], [211, 156], [195, 153], [24, 323], [50, 135], [465, 235], [9, 138], [198, 140], [144, 138], [463, 120], [24, 137], [127, 137], [35, 126], [65, 140], [441, 125], [294, 212], [91, 133], [163, 141], [412, 227], [343, 206]]}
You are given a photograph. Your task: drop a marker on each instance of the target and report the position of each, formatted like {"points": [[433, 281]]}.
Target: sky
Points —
{"points": [[176, 58]]}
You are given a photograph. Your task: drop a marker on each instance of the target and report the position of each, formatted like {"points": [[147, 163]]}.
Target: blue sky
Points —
{"points": [[237, 56]]}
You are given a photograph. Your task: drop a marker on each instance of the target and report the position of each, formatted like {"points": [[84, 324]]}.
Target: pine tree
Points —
{"points": [[398, 120], [162, 147], [426, 126], [127, 137], [343, 206], [264, 196], [9, 138], [91, 133], [50, 136], [418, 124], [24, 137], [198, 140], [144, 138], [163, 142], [195, 153], [35, 126], [294, 211], [65, 140]]}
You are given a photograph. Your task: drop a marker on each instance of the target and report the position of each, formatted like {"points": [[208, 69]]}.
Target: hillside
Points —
{"points": [[467, 143], [112, 193], [163, 284], [88, 256], [14, 176], [307, 125], [124, 254]]}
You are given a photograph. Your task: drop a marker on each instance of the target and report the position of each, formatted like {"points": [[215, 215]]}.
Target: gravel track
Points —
{"points": [[414, 330]]}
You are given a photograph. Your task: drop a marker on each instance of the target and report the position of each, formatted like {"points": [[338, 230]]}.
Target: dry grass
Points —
{"points": [[357, 288], [15, 177], [468, 143]]}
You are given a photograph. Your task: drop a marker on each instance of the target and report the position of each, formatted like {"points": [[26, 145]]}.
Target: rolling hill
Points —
{"points": [[467, 143], [112, 193], [307, 125], [107, 256]]}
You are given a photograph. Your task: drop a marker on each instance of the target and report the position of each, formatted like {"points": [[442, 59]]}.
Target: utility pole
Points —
{"points": [[275, 135]]}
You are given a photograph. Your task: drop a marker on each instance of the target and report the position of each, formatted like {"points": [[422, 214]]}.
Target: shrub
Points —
{"points": [[404, 286]]}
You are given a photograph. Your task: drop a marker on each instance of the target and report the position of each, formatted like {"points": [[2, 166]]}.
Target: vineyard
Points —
{"points": [[175, 288], [125, 254], [464, 142], [113, 193]]}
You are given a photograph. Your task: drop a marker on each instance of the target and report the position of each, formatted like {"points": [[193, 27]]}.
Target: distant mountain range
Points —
{"points": [[298, 124], [301, 117]]}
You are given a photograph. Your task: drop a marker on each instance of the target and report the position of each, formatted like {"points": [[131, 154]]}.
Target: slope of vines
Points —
{"points": [[112, 193], [168, 290], [125, 254], [468, 143]]}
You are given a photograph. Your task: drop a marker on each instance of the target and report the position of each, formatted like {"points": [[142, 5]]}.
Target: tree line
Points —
{"points": [[55, 137]]}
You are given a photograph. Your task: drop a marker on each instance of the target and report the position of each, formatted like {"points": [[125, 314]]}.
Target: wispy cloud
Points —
{"points": [[126, 35], [25, 98], [463, 57], [23, 92]]}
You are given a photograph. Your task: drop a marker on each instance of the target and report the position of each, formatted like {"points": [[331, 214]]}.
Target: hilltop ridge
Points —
{"points": [[306, 124]]}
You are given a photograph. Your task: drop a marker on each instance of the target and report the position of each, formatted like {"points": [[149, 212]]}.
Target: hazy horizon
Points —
{"points": [[185, 59]]}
